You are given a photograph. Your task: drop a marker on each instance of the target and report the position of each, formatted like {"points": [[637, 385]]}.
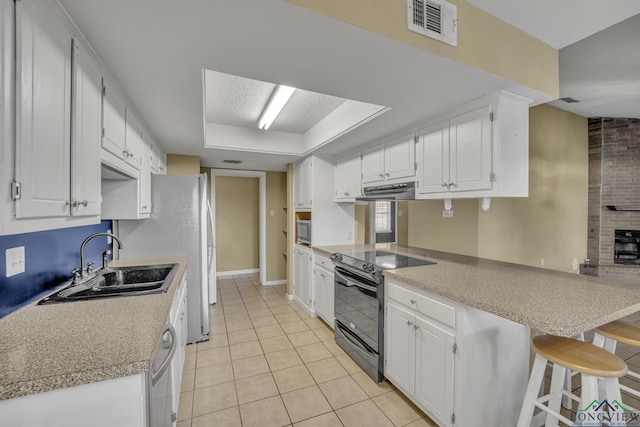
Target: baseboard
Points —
{"points": [[236, 272], [276, 282]]}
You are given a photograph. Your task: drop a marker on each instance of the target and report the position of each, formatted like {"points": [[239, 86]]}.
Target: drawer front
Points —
{"points": [[323, 261], [437, 310]]}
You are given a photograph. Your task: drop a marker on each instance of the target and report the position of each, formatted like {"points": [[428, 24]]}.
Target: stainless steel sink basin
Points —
{"points": [[117, 282]]}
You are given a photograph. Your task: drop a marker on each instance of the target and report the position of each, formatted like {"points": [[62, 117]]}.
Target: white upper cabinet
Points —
{"points": [[347, 178], [391, 162], [43, 114], [120, 133], [302, 185], [114, 122], [58, 124], [482, 150], [373, 165], [86, 134], [158, 160], [133, 141], [144, 183]]}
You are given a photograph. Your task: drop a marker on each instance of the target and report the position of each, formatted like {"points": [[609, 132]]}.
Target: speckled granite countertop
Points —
{"points": [[47, 347], [551, 302]]}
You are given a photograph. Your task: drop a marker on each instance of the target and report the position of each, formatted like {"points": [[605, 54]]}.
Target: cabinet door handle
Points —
{"points": [[444, 184], [415, 326], [84, 203], [413, 301], [381, 175], [409, 322], [451, 184], [387, 174]]}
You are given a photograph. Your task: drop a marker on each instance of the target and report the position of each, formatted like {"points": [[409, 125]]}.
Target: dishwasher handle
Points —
{"points": [[165, 363]]}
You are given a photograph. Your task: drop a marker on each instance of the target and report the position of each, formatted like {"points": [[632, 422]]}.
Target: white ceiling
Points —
{"points": [[560, 23], [157, 49]]}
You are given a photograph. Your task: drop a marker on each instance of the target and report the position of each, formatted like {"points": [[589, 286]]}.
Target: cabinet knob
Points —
{"points": [[69, 203], [413, 301], [387, 174], [409, 322], [444, 184], [84, 203], [381, 175], [415, 326], [451, 184]]}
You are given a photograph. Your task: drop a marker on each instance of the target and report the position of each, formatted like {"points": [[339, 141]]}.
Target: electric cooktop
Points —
{"points": [[389, 261]]}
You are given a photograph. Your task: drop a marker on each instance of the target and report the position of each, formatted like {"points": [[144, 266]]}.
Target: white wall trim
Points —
{"points": [[262, 177], [237, 272], [275, 282]]}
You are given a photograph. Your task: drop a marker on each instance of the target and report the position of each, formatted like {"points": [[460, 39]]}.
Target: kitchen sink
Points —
{"points": [[118, 282]]}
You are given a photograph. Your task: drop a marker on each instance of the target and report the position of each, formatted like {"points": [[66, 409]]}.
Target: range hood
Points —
{"points": [[402, 191]]}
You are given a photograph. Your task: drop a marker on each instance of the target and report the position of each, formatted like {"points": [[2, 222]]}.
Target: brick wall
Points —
{"points": [[614, 179]]}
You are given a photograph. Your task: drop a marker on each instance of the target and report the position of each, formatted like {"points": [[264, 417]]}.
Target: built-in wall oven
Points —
{"points": [[359, 305]]}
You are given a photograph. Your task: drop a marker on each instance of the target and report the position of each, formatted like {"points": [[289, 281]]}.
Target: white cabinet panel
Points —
{"points": [[43, 132], [470, 151], [114, 122], [399, 345], [86, 134], [373, 165], [432, 153], [400, 158], [144, 183], [434, 368], [348, 178], [133, 141], [303, 279], [323, 286], [303, 184]]}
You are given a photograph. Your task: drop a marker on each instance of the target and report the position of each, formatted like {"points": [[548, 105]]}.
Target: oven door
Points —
{"points": [[358, 306]]}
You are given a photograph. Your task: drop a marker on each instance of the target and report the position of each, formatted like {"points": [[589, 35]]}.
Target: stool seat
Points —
{"points": [[625, 332], [579, 356]]}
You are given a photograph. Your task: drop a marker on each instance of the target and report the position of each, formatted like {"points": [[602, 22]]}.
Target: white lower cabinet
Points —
{"points": [[303, 278], [323, 286], [178, 316], [460, 365]]}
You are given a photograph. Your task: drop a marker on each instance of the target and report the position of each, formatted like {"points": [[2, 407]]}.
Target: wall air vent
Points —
{"points": [[232, 162], [569, 100], [433, 18]]}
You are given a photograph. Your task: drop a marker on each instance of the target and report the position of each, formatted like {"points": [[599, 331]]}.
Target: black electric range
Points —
{"points": [[359, 304]]}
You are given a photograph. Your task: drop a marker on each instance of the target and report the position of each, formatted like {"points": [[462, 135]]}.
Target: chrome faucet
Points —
{"points": [[86, 271]]}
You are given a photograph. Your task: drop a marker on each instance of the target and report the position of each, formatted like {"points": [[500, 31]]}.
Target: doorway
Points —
{"points": [[261, 220]]}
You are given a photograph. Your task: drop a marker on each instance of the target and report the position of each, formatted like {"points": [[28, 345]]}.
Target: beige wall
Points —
{"points": [[360, 216], [291, 225], [550, 224], [484, 41], [237, 223], [276, 223], [178, 164]]}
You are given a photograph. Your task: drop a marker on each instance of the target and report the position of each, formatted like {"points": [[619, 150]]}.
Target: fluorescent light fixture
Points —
{"points": [[275, 105]]}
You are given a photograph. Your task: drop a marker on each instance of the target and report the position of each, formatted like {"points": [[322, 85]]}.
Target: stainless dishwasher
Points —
{"points": [[161, 411]]}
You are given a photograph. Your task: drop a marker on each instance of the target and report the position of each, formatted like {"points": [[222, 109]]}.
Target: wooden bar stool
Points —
{"points": [[609, 335], [592, 362]]}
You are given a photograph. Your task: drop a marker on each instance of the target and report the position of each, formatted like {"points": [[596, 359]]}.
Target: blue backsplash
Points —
{"points": [[49, 258]]}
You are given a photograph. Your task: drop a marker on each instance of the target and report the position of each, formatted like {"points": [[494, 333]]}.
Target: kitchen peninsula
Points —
{"points": [[457, 332]]}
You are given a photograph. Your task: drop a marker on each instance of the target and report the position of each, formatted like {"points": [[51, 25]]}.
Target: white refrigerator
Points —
{"points": [[180, 217]]}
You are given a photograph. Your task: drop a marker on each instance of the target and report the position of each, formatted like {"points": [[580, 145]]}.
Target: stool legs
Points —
{"points": [[533, 388], [558, 376]]}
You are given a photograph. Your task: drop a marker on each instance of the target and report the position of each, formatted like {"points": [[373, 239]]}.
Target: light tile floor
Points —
{"points": [[269, 364]]}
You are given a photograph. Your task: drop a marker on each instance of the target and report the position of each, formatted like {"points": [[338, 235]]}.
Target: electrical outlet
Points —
{"points": [[349, 235], [447, 214], [400, 213], [14, 261], [272, 212], [541, 261]]}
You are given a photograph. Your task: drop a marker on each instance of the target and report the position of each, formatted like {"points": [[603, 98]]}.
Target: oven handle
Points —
{"points": [[350, 283], [361, 347]]}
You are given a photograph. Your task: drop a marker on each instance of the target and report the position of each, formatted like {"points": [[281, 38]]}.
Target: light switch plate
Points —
{"points": [[15, 263]]}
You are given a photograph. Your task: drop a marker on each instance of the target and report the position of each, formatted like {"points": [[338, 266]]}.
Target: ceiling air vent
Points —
{"points": [[232, 162], [569, 100], [433, 18]]}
